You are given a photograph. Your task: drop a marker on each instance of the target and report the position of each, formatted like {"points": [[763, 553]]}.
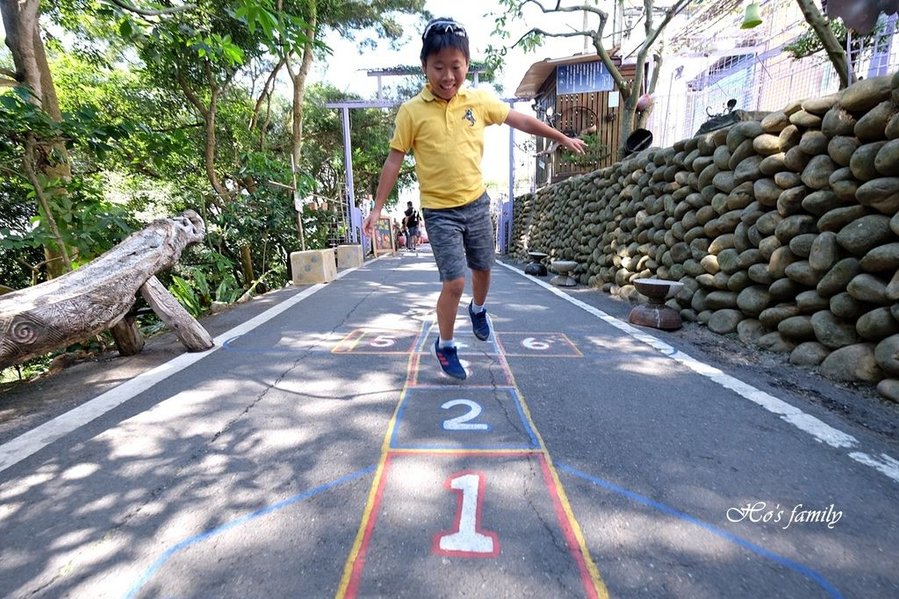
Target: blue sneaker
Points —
{"points": [[449, 361], [479, 323]]}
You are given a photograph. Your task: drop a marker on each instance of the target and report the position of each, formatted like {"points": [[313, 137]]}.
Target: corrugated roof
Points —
{"points": [[539, 72]]}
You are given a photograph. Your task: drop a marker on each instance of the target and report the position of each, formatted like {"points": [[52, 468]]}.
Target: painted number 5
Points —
{"points": [[468, 539], [382, 341]]}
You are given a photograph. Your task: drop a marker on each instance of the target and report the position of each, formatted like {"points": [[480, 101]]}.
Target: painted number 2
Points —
{"points": [[468, 539], [463, 421]]}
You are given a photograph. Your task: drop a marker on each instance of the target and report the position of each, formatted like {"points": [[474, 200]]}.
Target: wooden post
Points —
{"points": [[189, 331], [128, 338]]}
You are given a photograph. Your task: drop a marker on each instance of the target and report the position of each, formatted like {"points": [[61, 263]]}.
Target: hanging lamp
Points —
{"points": [[751, 18]]}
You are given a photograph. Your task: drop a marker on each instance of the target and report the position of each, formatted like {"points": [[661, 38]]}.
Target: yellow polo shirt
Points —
{"points": [[447, 140]]}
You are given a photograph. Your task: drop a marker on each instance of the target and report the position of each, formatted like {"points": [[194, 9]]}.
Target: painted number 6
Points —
{"points": [[532, 343]]}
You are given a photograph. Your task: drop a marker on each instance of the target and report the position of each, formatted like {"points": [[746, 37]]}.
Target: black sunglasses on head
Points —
{"points": [[444, 27]]}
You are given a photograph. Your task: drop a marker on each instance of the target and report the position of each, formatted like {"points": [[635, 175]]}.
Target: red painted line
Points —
{"points": [[568, 531], [359, 563]]}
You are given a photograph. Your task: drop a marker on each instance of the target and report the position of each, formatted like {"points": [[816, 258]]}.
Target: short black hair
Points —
{"points": [[440, 38]]}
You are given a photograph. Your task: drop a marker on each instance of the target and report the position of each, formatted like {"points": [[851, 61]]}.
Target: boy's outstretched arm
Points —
{"points": [[389, 173], [528, 124]]}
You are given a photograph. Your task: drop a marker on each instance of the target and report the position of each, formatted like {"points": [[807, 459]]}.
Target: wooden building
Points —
{"points": [[577, 96]]}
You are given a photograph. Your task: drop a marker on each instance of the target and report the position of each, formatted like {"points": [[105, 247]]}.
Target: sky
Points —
{"points": [[346, 68], [475, 15]]}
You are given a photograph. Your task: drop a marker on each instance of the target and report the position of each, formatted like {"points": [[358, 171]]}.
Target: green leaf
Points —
{"points": [[126, 28]]}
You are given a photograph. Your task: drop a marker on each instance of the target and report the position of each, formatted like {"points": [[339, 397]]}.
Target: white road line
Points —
{"points": [[818, 429], [37, 438]]}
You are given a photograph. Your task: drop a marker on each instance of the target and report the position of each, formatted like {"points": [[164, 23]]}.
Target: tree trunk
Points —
{"points": [[626, 127], [835, 51], [86, 301], [625, 87], [299, 88], [20, 20], [209, 117], [246, 265], [56, 256]]}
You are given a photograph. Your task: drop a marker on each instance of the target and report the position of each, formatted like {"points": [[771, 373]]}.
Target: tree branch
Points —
{"points": [[582, 8], [11, 74], [669, 14], [151, 13], [538, 31], [265, 94], [832, 47], [192, 97]]}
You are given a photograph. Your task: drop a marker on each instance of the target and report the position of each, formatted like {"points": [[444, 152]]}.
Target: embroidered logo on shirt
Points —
{"points": [[469, 116]]}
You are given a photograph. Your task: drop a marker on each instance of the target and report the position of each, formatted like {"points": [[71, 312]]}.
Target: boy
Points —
{"points": [[444, 127]]}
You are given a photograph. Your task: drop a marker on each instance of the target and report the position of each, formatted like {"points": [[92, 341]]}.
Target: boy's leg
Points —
{"points": [[448, 305], [449, 254], [479, 250], [480, 285]]}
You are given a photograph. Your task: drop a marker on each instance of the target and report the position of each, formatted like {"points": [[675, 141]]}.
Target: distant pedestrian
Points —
{"points": [[411, 220], [444, 127]]}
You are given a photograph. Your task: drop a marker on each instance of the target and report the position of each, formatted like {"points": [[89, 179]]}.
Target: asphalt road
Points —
{"points": [[317, 451]]}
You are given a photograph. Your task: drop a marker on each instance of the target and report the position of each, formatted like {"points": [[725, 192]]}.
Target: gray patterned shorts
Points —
{"points": [[461, 236]]}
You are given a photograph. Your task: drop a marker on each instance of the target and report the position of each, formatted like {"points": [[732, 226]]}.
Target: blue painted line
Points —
{"points": [[394, 435], [779, 559], [516, 398], [194, 540], [421, 345]]}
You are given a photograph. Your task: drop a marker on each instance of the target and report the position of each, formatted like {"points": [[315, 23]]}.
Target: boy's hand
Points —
{"points": [[368, 225], [575, 144]]}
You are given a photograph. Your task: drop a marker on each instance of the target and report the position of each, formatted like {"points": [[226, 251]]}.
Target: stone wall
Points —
{"points": [[784, 230]]}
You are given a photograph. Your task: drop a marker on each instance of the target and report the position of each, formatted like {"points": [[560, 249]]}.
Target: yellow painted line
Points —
{"points": [[344, 346], [593, 570], [596, 577], [599, 586], [372, 493]]}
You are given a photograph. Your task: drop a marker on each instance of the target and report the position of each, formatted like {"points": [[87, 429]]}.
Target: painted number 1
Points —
{"points": [[468, 539]]}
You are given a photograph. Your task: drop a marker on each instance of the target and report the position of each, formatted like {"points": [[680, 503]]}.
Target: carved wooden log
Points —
{"points": [[95, 297]]}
